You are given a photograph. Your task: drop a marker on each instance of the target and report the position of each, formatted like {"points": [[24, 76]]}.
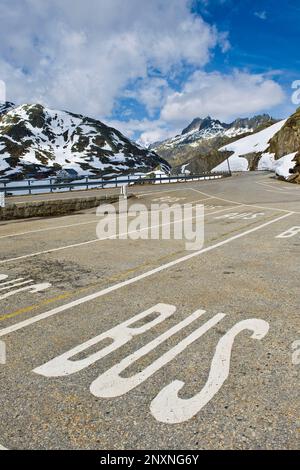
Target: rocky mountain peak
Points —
{"points": [[193, 126], [287, 140], [5, 106], [35, 140]]}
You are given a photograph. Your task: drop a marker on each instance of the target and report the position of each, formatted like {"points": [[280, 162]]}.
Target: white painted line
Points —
{"points": [[268, 186], [272, 189], [275, 187], [95, 240], [11, 281], [135, 279], [46, 229], [163, 191], [3, 448], [248, 205], [17, 284]]}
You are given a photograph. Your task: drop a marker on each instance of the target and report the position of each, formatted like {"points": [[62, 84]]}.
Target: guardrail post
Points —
{"points": [[29, 188], [87, 182], [51, 188], [2, 198]]}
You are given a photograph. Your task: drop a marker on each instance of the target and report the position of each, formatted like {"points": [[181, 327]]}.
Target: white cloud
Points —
{"points": [[84, 55], [222, 96], [81, 55], [262, 15], [151, 92], [149, 130]]}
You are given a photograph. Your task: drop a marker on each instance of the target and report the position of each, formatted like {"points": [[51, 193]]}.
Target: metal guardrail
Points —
{"points": [[8, 188]]}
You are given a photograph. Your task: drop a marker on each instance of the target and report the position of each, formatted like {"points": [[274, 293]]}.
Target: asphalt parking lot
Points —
{"points": [[142, 344]]}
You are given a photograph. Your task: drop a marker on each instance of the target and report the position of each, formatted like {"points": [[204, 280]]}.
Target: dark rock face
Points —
{"points": [[35, 140], [287, 140], [4, 107], [295, 175], [194, 126]]}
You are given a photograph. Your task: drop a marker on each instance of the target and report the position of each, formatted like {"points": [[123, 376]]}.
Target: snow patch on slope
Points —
{"points": [[284, 164], [255, 143]]}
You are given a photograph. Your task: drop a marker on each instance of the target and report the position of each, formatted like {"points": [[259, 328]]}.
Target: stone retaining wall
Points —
{"points": [[55, 207]]}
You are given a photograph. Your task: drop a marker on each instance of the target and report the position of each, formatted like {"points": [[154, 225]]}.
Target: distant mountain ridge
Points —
{"points": [[246, 124], [202, 138], [35, 140]]}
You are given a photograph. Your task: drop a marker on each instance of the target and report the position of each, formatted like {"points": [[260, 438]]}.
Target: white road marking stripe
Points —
{"points": [[46, 229], [17, 284], [276, 188], [248, 205], [162, 191], [135, 279], [95, 240], [11, 281], [3, 448]]}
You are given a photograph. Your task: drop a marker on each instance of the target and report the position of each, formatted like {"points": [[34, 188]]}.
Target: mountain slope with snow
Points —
{"points": [[208, 128], [276, 148], [205, 136], [249, 150], [35, 140]]}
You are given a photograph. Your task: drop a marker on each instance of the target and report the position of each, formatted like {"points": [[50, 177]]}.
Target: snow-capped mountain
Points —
{"points": [[276, 148], [204, 136], [208, 128], [35, 140]]}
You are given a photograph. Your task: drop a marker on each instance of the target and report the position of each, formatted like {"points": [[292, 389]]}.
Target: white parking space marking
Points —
{"points": [[96, 240], [296, 353], [135, 279], [169, 199], [17, 284], [58, 227], [239, 215], [162, 191], [276, 189], [2, 353], [46, 229], [247, 205]]}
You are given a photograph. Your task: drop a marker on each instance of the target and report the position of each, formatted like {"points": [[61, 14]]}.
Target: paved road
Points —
{"points": [[129, 344]]}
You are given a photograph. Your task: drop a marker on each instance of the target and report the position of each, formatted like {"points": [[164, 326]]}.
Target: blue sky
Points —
{"points": [[150, 67], [264, 36]]}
